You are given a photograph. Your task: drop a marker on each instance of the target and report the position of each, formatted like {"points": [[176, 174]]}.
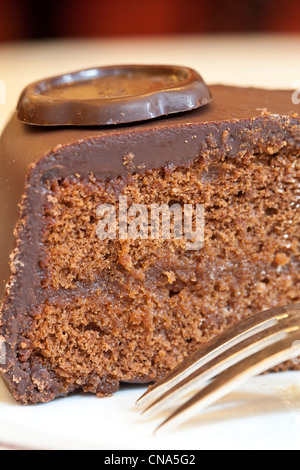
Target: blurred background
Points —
{"points": [[236, 42], [34, 19]]}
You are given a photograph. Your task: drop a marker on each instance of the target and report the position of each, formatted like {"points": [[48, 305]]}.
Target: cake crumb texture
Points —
{"points": [[130, 310]]}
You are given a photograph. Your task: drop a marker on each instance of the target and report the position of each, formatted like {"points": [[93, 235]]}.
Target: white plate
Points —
{"points": [[263, 414]]}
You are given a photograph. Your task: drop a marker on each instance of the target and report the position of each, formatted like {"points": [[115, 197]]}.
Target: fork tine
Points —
{"points": [[211, 369], [237, 374], [216, 346]]}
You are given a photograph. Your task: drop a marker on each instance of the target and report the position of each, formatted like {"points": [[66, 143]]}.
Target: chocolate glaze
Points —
{"points": [[112, 95], [237, 120]]}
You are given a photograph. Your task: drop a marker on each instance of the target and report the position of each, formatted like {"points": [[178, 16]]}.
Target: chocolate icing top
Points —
{"points": [[230, 104], [238, 119], [112, 95]]}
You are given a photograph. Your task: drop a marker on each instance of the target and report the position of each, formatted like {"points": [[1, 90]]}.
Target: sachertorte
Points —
{"points": [[82, 312]]}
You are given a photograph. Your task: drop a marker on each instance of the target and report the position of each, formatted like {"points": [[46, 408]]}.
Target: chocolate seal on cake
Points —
{"points": [[112, 95]]}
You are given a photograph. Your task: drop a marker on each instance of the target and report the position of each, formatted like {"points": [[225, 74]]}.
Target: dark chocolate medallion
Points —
{"points": [[112, 95]]}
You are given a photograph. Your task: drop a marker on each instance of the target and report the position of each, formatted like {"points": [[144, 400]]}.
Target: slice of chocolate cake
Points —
{"points": [[91, 300]]}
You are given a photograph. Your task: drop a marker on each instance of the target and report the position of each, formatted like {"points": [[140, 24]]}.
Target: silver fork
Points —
{"points": [[249, 348]]}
